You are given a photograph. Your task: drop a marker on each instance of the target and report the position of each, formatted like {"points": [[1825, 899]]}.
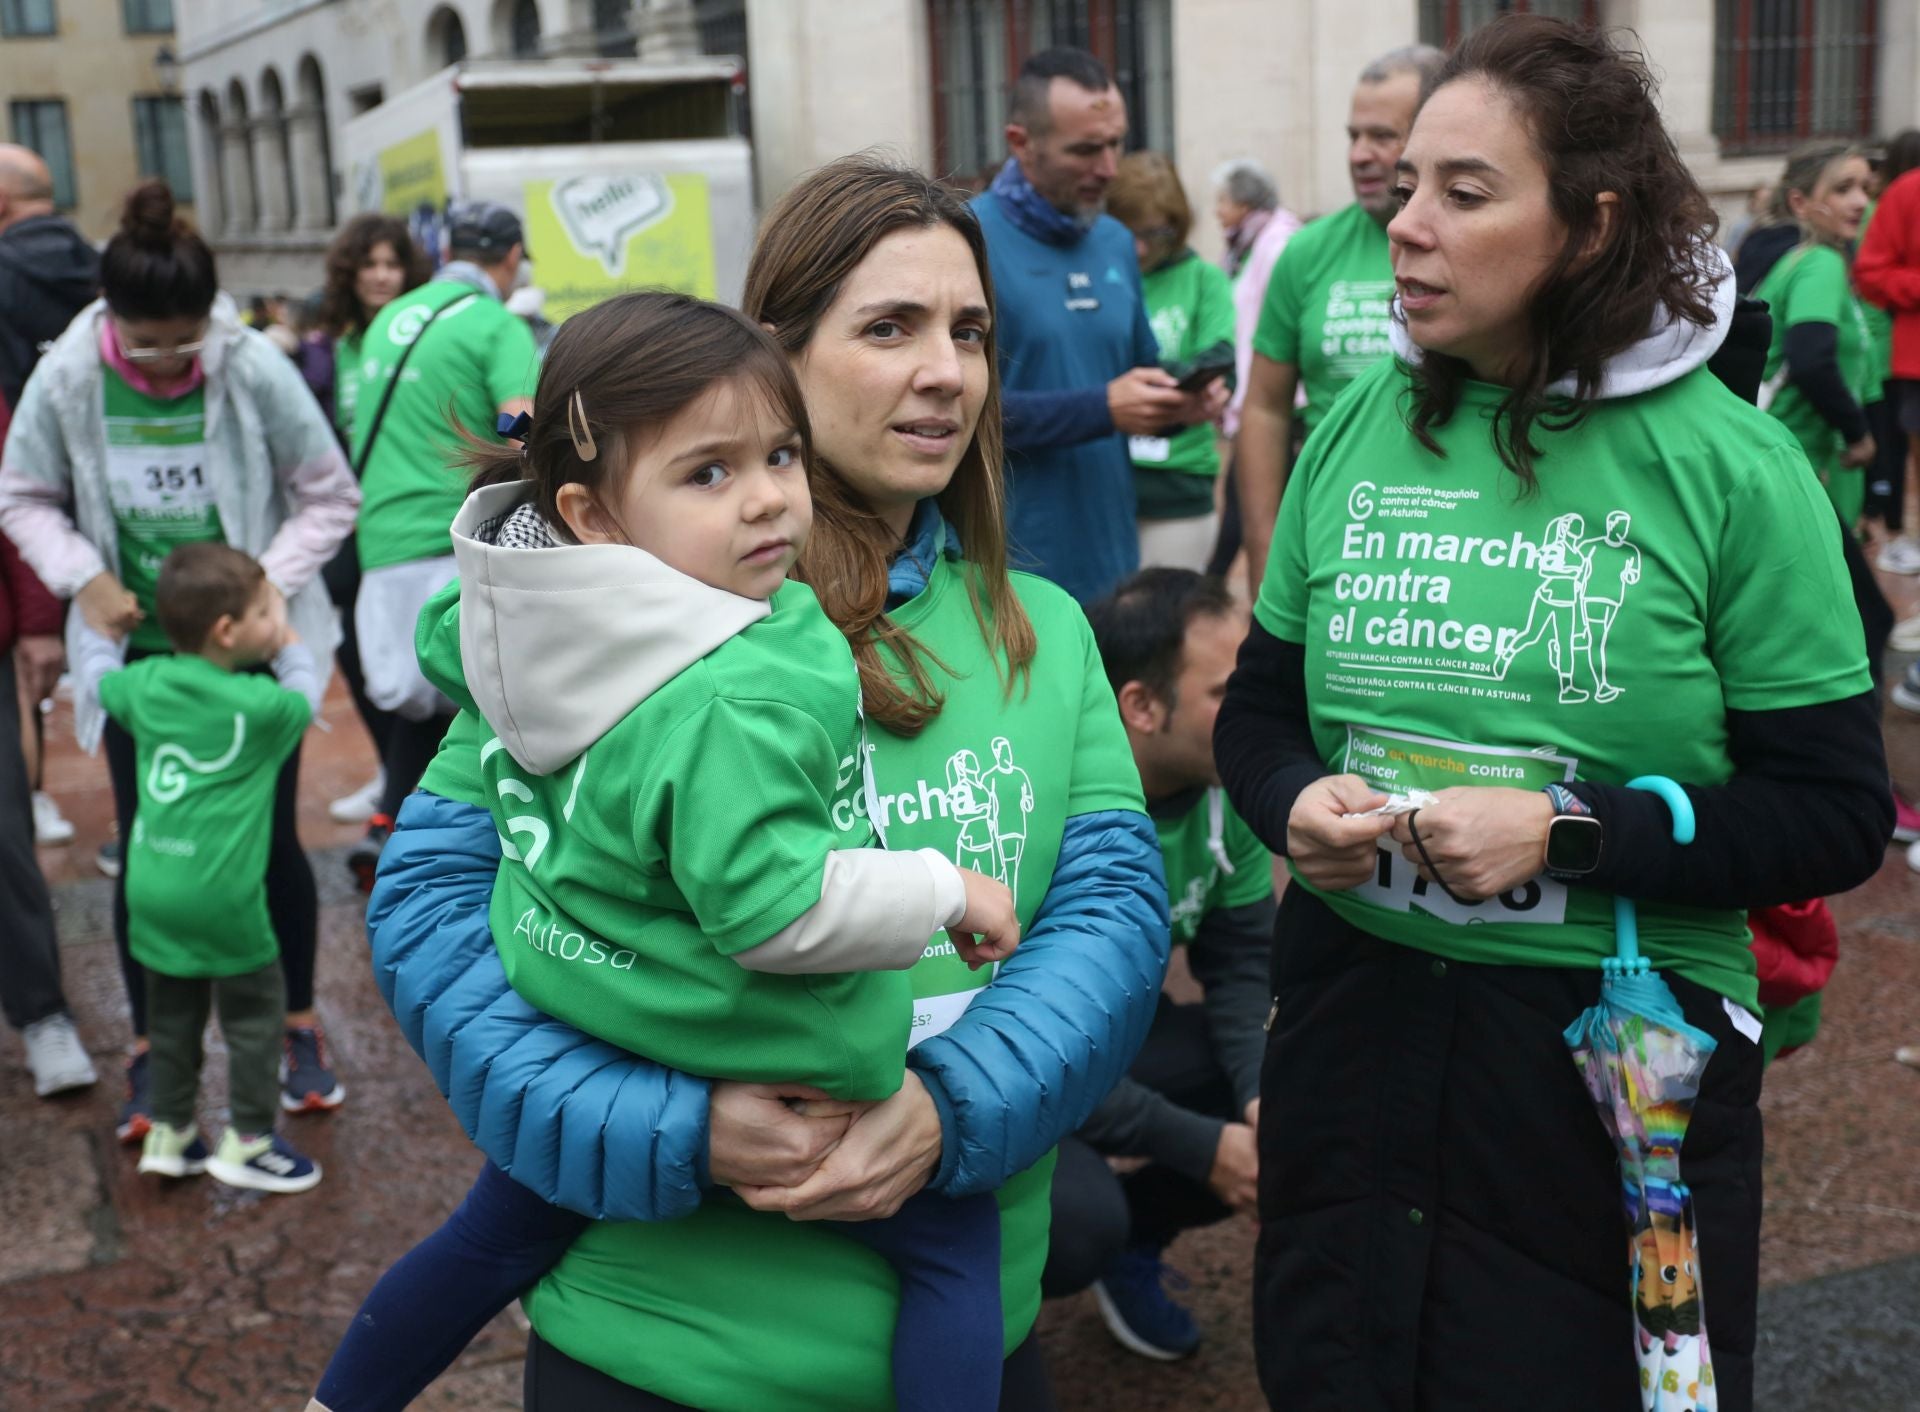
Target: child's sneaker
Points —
{"points": [[173, 1152], [50, 827], [307, 1082], [1138, 1313], [1906, 820], [363, 861], [109, 859], [268, 1163], [136, 1114]]}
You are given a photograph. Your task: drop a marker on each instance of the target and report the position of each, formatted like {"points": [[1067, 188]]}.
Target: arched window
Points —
{"points": [[613, 37], [446, 37], [276, 201], [242, 189], [210, 198], [314, 151], [523, 30]]}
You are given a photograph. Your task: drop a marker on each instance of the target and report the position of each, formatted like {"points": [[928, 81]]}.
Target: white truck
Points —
{"points": [[626, 173]]}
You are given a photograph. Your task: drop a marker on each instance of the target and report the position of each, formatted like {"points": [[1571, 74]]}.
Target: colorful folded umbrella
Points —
{"points": [[1642, 1064]]}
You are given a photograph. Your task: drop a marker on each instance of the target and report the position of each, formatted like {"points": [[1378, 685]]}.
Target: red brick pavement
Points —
{"points": [[120, 1293]]}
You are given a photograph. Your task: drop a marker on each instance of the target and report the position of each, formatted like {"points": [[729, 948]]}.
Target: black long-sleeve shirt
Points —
{"points": [[1807, 813]]}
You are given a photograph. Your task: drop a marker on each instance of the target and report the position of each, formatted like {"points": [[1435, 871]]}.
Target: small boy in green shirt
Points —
{"points": [[210, 739]]}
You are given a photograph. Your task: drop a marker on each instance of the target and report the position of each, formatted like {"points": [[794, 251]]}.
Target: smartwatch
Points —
{"points": [[1574, 836]]}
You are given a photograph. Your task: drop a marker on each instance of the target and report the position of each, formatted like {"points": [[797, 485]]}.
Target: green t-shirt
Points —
{"points": [[1676, 562], [1810, 285], [694, 829], [1190, 305], [160, 486], [1880, 327], [347, 362], [1328, 306], [730, 1309], [1213, 860], [475, 356], [208, 747]]}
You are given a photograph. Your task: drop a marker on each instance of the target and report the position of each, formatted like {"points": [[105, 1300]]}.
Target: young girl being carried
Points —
{"points": [[674, 749]]}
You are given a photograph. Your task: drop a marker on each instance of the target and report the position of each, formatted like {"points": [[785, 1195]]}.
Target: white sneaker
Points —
{"points": [[58, 1060], [1900, 556], [50, 826], [1905, 636], [358, 807]]}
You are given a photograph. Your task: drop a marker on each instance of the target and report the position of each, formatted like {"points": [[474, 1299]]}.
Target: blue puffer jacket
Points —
{"points": [[598, 1130]]}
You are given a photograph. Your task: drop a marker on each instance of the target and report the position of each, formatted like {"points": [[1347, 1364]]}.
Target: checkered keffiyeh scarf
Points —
{"points": [[520, 528]]}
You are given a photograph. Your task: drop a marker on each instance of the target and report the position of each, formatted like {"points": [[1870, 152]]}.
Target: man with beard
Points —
{"points": [[1325, 318]]}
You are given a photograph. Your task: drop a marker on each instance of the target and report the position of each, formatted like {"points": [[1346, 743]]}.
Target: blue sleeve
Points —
{"points": [[1028, 1061], [580, 1123], [1039, 419]]}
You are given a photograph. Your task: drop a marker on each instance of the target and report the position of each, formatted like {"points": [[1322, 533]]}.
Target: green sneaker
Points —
{"points": [[173, 1152], [268, 1163]]}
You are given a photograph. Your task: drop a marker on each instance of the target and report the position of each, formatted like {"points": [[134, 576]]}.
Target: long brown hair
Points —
{"points": [[812, 239], [1590, 111], [634, 362], [341, 313]]}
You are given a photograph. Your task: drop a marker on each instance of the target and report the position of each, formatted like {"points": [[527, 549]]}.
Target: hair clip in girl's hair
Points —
{"points": [[513, 426], [579, 428]]}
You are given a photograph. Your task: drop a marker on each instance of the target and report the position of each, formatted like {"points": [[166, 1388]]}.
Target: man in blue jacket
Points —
{"points": [[1078, 364]]}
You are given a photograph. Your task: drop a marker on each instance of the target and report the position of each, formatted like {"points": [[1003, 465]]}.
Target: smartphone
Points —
{"points": [[1204, 372]]}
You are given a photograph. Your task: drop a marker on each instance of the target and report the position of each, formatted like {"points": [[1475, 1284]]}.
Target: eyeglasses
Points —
{"points": [[161, 354]]}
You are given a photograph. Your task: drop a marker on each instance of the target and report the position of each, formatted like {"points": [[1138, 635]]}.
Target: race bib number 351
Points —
{"points": [[1394, 762]]}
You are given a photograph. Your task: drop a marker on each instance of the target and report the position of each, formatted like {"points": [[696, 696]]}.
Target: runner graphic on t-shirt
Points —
{"points": [[1583, 583], [1012, 794], [1610, 564], [1555, 611], [972, 806]]}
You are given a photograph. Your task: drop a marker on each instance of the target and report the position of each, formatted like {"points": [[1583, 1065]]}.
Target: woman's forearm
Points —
{"points": [[1807, 814], [1262, 742], [34, 516]]}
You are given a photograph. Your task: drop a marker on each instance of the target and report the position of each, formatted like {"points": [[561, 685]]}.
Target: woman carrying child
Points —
{"points": [[874, 281]]}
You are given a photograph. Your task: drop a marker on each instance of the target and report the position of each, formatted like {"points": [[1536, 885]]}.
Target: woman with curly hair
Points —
{"points": [[1538, 552], [372, 262]]}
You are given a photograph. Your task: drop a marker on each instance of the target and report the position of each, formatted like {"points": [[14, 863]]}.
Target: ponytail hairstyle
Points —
{"points": [[1807, 166], [813, 238], [1595, 125], [613, 376], [157, 266]]}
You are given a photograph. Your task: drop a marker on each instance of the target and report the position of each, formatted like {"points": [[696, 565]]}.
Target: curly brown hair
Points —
{"points": [[1590, 110], [341, 313]]}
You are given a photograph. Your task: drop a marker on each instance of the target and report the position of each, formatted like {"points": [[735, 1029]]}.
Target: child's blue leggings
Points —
{"points": [[947, 1345]]}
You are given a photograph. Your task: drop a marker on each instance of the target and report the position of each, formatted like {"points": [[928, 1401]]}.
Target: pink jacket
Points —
{"points": [[1249, 293]]}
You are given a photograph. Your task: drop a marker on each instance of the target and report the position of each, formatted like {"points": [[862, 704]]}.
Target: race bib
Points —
{"points": [[1149, 450], [160, 483], [1393, 762]]}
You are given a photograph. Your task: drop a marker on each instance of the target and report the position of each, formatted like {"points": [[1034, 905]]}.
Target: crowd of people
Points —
{"points": [[806, 731]]}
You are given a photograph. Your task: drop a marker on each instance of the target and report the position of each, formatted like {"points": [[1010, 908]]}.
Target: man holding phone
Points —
{"points": [[1080, 371]]}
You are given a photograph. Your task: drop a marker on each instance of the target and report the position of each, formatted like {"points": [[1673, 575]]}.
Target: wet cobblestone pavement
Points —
{"points": [[122, 1294]]}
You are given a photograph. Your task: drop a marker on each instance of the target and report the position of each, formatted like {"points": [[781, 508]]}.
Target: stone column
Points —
{"points": [[666, 30], [270, 171], [312, 182], [236, 172]]}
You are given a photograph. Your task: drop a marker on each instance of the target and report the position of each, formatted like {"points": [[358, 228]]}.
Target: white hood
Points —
{"points": [[1671, 348], [558, 645]]}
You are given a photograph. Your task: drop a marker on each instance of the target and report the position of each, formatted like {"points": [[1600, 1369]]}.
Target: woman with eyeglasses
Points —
{"points": [[1190, 305], [158, 420]]}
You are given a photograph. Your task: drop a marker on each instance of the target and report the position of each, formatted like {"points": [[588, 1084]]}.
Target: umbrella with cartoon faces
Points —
{"points": [[1642, 1064]]}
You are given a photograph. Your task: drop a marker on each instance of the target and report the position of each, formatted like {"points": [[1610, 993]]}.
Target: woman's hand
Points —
{"points": [[108, 607], [1483, 841], [1328, 849], [757, 1139], [888, 1154]]}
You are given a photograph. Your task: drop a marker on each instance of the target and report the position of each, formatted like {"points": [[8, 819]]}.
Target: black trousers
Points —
{"points": [[342, 577], [1887, 476], [556, 1383], [293, 902], [1440, 1217], [1097, 1213], [29, 955]]}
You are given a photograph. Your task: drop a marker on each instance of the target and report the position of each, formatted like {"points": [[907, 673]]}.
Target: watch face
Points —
{"points": [[1573, 844]]}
